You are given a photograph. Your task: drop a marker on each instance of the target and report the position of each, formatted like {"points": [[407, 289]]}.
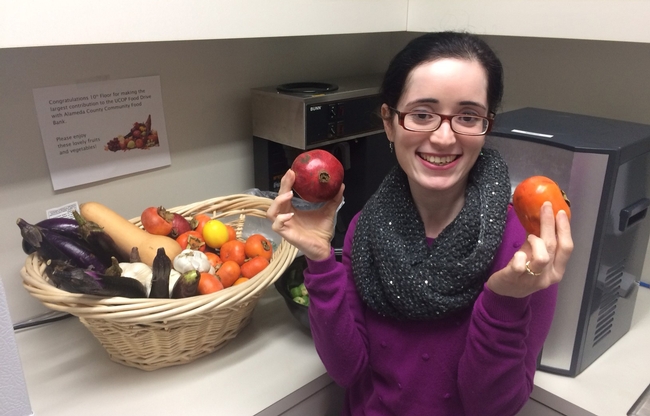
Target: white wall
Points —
{"points": [[598, 78], [205, 88]]}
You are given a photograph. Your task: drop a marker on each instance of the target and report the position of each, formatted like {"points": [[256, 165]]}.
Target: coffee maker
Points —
{"points": [[340, 116]]}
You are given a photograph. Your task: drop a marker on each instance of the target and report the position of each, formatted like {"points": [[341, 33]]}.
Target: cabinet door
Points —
{"points": [[616, 20], [71, 22]]}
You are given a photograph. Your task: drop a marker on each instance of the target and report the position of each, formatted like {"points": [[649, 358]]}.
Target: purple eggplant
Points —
{"points": [[160, 271], [65, 226], [187, 285], [114, 269], [134, 256], [28, 248], [88, 282], [51, 245], [101, 244]]}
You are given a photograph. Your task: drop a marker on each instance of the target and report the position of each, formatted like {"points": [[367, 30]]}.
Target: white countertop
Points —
{"points": [[273, 363], [69, 373]]}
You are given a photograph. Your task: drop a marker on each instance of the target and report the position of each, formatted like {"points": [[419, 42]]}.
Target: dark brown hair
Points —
{"points": [[433, 46]]}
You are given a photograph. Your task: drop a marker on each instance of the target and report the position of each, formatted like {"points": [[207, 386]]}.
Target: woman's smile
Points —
{"points": [[438, 160]]}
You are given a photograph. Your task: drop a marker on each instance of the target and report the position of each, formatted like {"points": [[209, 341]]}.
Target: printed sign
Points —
{"points": [[101, 130]]}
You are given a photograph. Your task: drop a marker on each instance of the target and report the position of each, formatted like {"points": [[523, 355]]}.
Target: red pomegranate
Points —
{"points": [[319, 175]]}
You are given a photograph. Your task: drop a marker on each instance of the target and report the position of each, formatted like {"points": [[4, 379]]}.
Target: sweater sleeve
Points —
{"points": [[336, 315], [505, 337]]}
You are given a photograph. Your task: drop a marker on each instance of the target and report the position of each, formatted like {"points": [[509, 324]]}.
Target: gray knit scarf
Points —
{"points": [[399, 275]]}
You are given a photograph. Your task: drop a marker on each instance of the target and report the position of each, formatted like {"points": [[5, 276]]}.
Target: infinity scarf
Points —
{"points": [[396, 272]]}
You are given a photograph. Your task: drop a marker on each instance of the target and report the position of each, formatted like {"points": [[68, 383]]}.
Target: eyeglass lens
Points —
{"points": [[459, 123]]}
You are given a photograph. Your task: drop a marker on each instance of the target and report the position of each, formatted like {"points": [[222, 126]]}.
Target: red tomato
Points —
{"points": [[253, 266], [529, 196], [233, 250], [198, 221], [240, 281], [232, 234], [258, 245], [157, 220], [228, 273], [209, 283], [214, 259], [191, 239]]}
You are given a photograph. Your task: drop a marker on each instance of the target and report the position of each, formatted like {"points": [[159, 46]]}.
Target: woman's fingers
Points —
{"points": [[282, 202], [279, 224], [542, 247], [564, 242], [539, 258], [279, 205], [286, 183]]}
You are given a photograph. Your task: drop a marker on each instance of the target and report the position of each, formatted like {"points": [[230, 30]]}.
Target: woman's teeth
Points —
{"points": [[436, 160]]}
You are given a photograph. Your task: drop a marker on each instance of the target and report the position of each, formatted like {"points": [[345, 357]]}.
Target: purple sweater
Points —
{"points": [[479, 362]]}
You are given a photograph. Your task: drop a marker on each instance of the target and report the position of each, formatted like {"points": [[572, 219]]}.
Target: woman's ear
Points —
{"points": [[386, 113], [387, 117]]}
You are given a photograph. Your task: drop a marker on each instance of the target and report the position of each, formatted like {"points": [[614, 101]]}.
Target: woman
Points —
{"points": [[441, 303]]}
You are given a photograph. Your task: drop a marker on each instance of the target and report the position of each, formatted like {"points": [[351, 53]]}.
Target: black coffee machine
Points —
{"points": [[342, 117]]}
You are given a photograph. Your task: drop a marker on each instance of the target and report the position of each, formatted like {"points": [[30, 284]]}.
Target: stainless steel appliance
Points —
{"points": [[340, 116], [604, 167]]}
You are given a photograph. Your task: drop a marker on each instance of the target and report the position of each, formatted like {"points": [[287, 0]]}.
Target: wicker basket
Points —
{"points": [[156, 333]]}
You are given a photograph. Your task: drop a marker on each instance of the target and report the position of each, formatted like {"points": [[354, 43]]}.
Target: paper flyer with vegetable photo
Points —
{"points": [[100, 130]]}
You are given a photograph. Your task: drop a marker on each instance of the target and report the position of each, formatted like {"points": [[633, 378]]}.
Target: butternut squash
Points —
{"points": [[128, 235]]}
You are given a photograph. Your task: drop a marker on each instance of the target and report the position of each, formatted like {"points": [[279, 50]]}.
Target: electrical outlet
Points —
{"points": [[64, 211]]}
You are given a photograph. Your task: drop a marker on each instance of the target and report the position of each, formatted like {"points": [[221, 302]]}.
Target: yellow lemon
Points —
{"points": [[215, 233]]}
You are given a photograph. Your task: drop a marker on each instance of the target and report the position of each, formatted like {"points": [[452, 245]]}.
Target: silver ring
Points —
{"points": [[530, 272]]}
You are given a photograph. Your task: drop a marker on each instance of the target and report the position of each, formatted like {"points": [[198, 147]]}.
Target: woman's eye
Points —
{"points": [[421, 117]]}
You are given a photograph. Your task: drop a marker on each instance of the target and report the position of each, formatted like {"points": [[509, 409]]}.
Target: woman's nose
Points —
{"points": [[444, 135]]}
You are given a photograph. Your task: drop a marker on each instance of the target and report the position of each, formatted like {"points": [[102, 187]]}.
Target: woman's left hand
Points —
{"points": [[540, 262]]}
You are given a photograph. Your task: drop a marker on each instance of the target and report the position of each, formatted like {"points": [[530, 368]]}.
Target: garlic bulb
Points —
{"points": [[139, 271], [143, 273], [189, 259], [173, 277]]}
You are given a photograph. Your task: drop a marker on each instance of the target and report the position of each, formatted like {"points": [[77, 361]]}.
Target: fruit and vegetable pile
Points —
{"points": [[101, 253], [141, 136]]}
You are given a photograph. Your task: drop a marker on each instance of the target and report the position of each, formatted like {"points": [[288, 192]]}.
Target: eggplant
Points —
{"points": [[28, 248], [51, 245], [65, 226], [88, 282], [114, 269], [134, 257], [187, 285], [99, 241], [161, 269]]}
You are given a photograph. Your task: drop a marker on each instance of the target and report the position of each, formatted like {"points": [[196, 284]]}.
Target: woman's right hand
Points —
{"points": [[311, 231]]}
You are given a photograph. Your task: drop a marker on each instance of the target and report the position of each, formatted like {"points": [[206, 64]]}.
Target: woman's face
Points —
{"points": [[439, 160]]}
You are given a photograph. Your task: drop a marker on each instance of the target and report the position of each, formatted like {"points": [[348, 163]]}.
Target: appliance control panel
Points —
{"points": [[342, 119], [305, 120]]}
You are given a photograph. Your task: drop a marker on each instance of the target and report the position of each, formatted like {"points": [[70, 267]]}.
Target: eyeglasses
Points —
{"points": [[467, 124]]}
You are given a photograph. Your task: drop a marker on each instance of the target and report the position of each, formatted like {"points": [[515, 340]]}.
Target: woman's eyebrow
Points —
{"points": [[473, 103], [425, 101], [436, 101]]}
